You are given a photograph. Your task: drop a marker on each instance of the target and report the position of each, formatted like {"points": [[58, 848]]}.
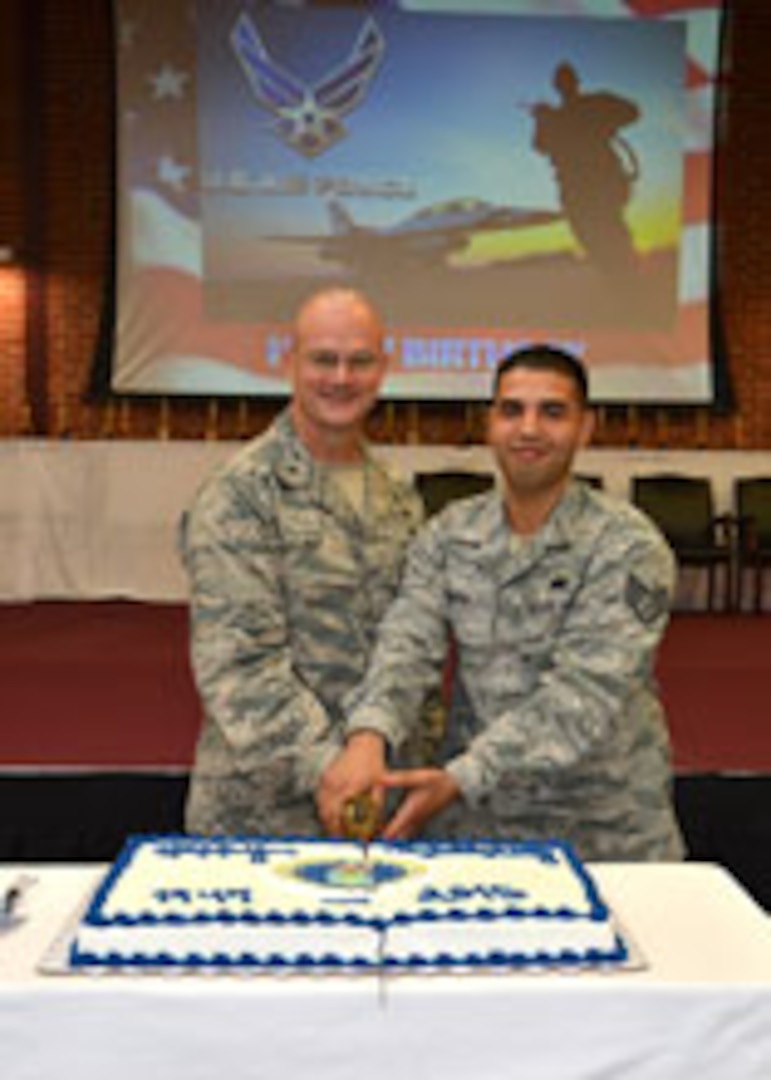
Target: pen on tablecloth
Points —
{"points": [[13, 895]]}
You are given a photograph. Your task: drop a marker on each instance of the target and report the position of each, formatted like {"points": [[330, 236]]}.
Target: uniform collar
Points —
{"points": [[295, 466], [489, 531], [560, 528]]}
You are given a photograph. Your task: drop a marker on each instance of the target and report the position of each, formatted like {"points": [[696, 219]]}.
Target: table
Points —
{"points": [[701, 1008]]}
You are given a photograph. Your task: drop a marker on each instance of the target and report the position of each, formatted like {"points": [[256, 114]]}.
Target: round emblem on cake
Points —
{"points": [[347, 873]]}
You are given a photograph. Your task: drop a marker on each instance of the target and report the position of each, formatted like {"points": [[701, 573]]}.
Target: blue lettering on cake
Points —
{"points": [[226, 895], [170, 896], [455, 893]]}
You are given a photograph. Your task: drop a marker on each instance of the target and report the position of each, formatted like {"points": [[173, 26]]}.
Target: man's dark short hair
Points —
{"points": [[545, 358]]}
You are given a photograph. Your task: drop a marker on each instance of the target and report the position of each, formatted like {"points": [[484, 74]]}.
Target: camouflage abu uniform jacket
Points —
{"points": [[560, 732], [288, 585]]}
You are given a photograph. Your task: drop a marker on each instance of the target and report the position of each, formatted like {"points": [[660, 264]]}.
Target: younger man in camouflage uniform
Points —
{"points": [[294, 552], [557, 597]]}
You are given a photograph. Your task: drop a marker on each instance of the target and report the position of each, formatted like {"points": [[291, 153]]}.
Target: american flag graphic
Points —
{"points": [[166, 341]]}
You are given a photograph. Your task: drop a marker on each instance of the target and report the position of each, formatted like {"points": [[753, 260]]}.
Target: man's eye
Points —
{"points": [[361, 361], [554, 410], [324, 359], [332, 360], [509, 409]]}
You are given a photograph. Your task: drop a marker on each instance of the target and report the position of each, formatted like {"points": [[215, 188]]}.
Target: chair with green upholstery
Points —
{"points": [[591, 479], [437, 489], [752, 505], [683, 508]]}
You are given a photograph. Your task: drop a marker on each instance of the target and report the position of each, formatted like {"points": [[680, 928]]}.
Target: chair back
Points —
{"points": [[592, 479], [437, 489], [681, 506], [752, 504]]}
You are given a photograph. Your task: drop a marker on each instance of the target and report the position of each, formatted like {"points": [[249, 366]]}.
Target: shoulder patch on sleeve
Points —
{"points": [[647, 603]]}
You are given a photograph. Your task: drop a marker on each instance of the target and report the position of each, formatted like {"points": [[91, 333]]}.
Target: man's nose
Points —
{"points": [[529, 422], [342, 370]]}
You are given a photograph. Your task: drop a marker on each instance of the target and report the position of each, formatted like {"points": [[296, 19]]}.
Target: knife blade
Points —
{"points": [[360, 821]]}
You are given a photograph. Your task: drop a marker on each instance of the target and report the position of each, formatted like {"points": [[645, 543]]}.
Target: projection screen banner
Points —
{"points": [[489, 174]]}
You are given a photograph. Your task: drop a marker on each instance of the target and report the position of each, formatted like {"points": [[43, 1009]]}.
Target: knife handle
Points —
{"points": [[360, 818]]}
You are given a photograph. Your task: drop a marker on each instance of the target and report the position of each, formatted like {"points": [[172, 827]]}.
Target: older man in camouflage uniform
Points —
{"points": [[294, 552], [556, 597]]}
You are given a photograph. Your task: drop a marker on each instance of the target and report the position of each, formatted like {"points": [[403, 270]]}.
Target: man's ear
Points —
{"points": [[587, 426], [286, 363], [487, 416]]}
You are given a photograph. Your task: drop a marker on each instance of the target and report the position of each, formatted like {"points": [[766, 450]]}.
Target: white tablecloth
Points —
{"points": [[701, 1010], [84, 520]]}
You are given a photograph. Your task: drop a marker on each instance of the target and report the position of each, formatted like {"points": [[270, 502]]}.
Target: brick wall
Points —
{"points": [[13, 295], [55, 180]]}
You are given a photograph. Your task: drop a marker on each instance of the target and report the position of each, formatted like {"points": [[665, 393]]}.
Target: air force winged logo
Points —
{"points": [[308, 117]]}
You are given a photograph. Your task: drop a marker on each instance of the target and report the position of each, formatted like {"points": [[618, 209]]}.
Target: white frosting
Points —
{"points": [[251, 901]]}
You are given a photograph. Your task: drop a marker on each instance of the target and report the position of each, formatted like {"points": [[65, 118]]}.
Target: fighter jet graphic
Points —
{"points": [[308, 118], [426, 238]]}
